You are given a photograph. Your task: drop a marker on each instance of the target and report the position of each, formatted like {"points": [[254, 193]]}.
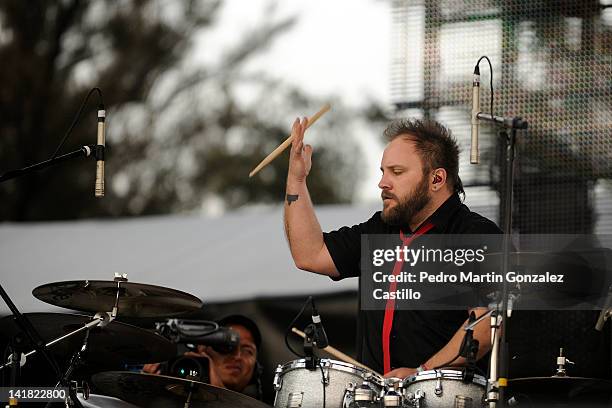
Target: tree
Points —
{"points": [[180, 135]]}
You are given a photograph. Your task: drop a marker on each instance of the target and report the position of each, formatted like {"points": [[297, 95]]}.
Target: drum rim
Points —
{"points": [[447, 374], [282, 369]]}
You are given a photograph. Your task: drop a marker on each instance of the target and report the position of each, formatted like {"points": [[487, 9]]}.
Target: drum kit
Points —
{"points": [[349, 386], [99, 340]]}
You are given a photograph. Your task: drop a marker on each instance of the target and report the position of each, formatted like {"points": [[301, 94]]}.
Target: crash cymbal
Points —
{"points": [[113, 345], [135, 299], [156, 391]]}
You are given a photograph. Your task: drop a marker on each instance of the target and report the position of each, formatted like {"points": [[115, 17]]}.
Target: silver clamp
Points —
{"points": [[561, 363]]}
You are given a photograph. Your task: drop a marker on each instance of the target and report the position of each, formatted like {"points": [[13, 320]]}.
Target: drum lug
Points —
{"points": [[414, 399], [325, 379], [439, 390], [278, 381]]}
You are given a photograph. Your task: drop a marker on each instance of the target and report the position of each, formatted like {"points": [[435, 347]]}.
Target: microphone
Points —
{"points": [[99, 153], [222, 339], [474, 155], [464, 350], [320, 337], [605, 312], [469, 350]]}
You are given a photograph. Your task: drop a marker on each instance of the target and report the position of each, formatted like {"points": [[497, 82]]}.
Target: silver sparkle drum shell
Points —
{"points": [[296, 386], [445, 389]]}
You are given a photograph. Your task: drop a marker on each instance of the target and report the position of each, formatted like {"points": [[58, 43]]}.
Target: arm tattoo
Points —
{"points": [[291, 198]]}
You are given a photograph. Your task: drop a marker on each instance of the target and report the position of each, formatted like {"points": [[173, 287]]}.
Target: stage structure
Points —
{"points": [[552, 65]]}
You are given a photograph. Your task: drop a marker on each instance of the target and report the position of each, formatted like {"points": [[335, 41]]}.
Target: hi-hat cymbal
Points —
{"points": [[156, 391], [113, 345], [135, 299]]}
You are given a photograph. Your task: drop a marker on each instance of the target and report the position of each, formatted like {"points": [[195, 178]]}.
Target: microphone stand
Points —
{"points": [[84, 151], [311, 359], [499, 356]]}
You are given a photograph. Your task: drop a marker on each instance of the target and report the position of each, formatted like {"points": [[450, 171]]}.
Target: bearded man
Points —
{"points": [[420, 189]]}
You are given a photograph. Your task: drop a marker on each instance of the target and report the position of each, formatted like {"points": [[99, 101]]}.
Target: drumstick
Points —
{"points": [[337, 353], [276, 152]]}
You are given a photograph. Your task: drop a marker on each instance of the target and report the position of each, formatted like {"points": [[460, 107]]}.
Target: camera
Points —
{"points": [[190, 368]]}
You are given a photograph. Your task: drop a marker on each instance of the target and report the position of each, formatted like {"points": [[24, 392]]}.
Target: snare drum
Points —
{"points": [[296, 386], [444, 389]]}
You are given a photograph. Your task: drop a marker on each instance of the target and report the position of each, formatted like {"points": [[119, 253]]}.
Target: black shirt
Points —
{"points": [[416, 334]]}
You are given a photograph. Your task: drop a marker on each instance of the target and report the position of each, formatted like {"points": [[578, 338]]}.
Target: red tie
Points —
{"points": [[390, 307]]}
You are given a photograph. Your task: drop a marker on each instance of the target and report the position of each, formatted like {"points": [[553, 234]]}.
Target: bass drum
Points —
{"points": [[298, 387], [444, 389]]}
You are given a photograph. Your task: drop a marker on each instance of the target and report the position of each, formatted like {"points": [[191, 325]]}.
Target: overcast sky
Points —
{"points": [[336, 48]]}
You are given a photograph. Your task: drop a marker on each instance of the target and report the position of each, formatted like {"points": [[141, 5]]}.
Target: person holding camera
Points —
{"points": [[236, 370]]}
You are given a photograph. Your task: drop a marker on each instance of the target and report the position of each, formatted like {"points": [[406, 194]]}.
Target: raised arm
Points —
{"points": [[301, 225]]}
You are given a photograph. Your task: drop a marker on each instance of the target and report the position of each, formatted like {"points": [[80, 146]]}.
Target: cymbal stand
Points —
{"points": [[16, 360], [75, 361], [100, 319], [119, 278]]}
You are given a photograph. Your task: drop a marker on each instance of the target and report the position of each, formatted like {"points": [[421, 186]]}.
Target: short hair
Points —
{"points": [[434, 143], [245, 322]]}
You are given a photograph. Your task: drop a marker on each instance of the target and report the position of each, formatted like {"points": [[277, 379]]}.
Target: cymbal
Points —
{"points": [[113, 345], [560, 386], [135, 299], [149, 390]]}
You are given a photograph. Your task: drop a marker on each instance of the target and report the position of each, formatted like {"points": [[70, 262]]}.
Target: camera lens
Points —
{"points": [[190, 368]]}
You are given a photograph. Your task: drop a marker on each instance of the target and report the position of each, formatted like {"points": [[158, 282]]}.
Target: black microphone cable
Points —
{"points": [[295, 319], [78, 117], [477, 71]]}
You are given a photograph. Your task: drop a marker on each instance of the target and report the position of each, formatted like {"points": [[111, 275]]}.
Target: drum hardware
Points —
{"points": [[439, 390], [278, 379], [362, 395], [414, 398], [96, 321], [82, 389], [18, 359], [392, 396], [106, 341], [119, 278], [561, 362]]}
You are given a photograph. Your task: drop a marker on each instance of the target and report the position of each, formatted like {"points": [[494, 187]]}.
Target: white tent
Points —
{"points": [[237, 256]]}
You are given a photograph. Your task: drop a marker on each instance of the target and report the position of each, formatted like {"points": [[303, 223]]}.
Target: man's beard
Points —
{"points": [[406, 209]]}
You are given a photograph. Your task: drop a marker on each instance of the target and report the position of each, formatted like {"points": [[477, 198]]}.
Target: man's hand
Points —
{"points": [[300, 155], [153, 368], [401, 372], [215, 379]]}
